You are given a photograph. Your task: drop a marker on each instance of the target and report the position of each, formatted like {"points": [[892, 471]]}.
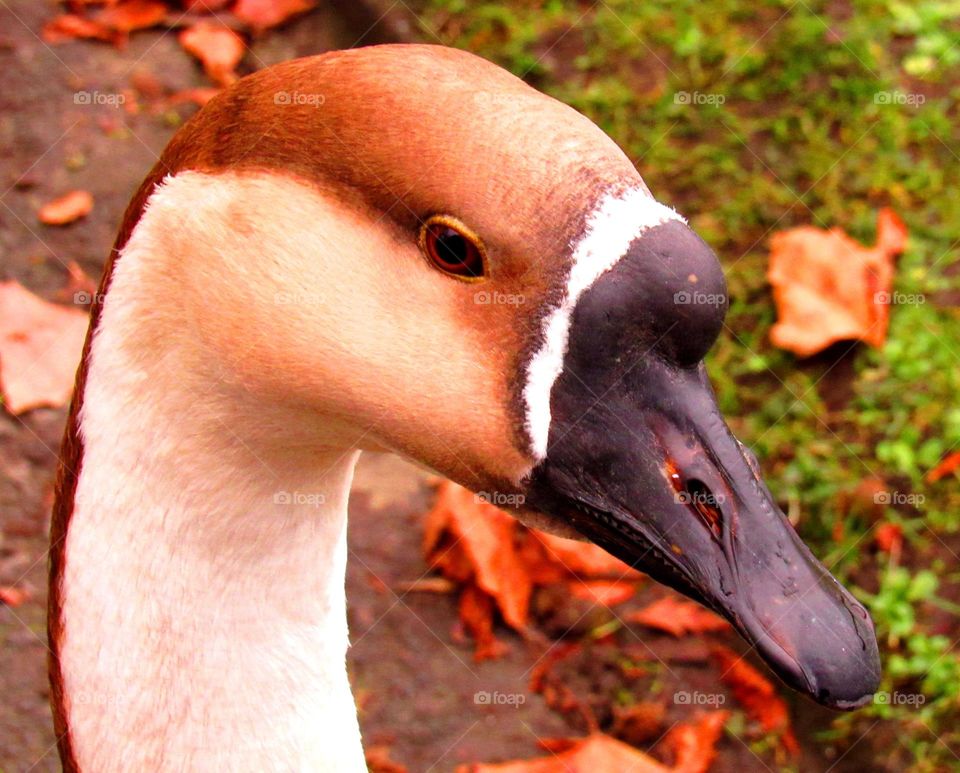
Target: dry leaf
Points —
{"points": [[638, 723], [694, 744], [198, 96], [476, 614], [829, 288], [132, 15], [12, 597], [70, 26], [113, 23], [218, 48], [583, 558], [484, 536], [40, 347], [477, 545], [950, 464], [69, 207], [262, 14], [427, 585], [205, 6], [679, 616], [596, 753], [604, 592], [757, 695], [378, 760], [889, 537]]}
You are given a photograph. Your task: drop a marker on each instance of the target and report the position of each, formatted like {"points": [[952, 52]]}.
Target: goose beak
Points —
{"points": [[641, 462]]}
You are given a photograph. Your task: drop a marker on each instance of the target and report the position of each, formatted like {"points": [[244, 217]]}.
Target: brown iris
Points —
{"points": [[453, 248]]}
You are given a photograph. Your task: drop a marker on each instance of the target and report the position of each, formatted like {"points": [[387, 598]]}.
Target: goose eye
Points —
{"points": [[453, 248]]}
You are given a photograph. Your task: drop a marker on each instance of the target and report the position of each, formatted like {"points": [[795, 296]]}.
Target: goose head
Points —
{"points": [[460, 269]]}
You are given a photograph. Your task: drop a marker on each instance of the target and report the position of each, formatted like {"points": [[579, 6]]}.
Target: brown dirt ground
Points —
{"points": [[419, 700]]}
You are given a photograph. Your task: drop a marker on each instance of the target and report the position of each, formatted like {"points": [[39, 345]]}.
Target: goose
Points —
{"points": [[397, 248]]}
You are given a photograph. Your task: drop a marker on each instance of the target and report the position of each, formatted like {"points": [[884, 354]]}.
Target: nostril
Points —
{"points": [[698, 495]]}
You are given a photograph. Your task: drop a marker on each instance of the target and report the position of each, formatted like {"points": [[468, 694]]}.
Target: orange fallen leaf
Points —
{"points": [[427, 585], [597, 753], [476, 614], [40, 347], [70, 26], [757, 695], [198, 96], [263, 14], [113, 23], [829, 288], [205, 6], [12, 597], [484, 536], [583, 558], [838, 530], [605, 592], [218, 48], [679, 616], [949, 464], [638, 723], [694, 744], [889, 537], [132, 15], [69, 207], [379, 761], [477, 545]]}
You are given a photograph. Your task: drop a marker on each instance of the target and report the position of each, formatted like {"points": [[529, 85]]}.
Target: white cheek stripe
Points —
{"points": [[618, 220]]}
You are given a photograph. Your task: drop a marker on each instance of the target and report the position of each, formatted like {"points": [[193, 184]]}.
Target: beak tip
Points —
{"points": [[844, 676], [849, 683], [855, 696]]}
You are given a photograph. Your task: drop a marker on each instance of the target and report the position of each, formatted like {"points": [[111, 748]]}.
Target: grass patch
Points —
{"points": [[755, 116]]}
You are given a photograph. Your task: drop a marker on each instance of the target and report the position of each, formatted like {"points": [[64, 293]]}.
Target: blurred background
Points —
{"points": [[748, 117]]}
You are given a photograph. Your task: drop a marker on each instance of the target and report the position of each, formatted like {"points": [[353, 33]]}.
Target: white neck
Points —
{"points": [[204, 623]]}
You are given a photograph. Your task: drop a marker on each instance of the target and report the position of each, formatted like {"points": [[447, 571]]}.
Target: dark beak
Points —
{"points": [[641, 462]]}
